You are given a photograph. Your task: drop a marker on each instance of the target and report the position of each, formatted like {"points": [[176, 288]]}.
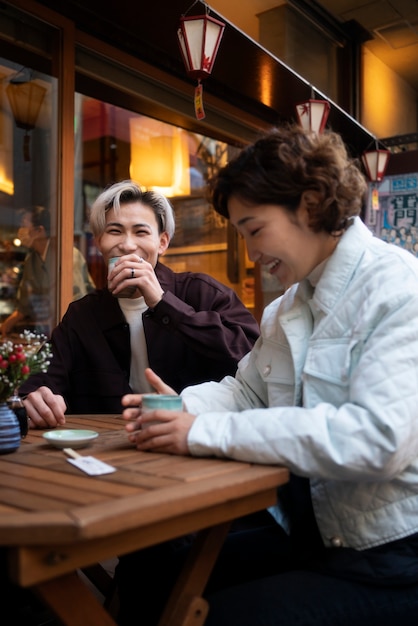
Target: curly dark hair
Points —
{"points": [[284, 163]]}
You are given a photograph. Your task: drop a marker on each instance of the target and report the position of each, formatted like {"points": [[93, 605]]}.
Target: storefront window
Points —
{"points": [[28, 190], [47, 254], [115, 144]]}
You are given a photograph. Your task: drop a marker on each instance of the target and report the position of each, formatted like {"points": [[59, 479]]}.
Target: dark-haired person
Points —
{"points": [[33, 300], [187, 326], [330, 390]]}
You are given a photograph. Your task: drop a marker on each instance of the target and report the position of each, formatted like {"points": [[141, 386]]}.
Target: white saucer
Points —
{"points": [[70, 438]]}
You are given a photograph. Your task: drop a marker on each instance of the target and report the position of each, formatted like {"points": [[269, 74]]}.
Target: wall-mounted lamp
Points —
{"points": [[313, 114], [199, 37], [25, 98]]}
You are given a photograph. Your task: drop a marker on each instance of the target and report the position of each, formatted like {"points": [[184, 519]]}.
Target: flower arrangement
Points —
{"points": [[19, 360]]}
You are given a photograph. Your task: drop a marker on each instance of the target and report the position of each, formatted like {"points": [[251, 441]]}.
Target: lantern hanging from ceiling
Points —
{"points": [[375, 162], [313, 114], [199, 37], [25, 98]]}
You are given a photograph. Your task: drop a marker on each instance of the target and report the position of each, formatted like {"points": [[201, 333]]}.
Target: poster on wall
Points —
{"points": [[396, 218]]}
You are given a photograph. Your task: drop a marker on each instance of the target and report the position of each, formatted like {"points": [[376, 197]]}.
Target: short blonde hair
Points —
{"points": [[116, 195]]}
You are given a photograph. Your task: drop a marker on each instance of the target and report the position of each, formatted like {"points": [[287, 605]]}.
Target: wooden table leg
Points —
{"points": [[186, 607], [72, 602]]}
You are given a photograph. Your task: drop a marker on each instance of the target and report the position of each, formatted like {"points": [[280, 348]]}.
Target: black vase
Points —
{"points": [[17, 406]]}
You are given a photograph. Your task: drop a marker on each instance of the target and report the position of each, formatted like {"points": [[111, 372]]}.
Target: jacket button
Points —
{"points": [[165, 319], [336, 542], [267, 370]]}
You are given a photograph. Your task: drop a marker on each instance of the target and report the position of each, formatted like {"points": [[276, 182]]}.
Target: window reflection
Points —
{"points": [[27, 179], [115, 144]]}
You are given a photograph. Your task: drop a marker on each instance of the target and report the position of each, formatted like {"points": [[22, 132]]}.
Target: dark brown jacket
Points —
{"points": [[198, 332]]}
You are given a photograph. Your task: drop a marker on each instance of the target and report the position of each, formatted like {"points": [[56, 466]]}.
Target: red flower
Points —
{"points": [[18, 361]]}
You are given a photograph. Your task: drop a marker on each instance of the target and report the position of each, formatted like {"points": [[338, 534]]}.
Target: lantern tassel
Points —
{"points": [[375, 196], [198, 101], [26, 146]]}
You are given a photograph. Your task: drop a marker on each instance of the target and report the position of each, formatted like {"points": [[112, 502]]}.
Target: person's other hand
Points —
{"points": [[44, 408]]}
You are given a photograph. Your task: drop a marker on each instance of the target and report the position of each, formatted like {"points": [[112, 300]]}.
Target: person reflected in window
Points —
{"points": [[187, 326], [33, 301]]}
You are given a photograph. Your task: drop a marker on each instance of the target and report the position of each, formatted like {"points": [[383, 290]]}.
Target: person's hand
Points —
{"points": [[44, 408], [132, 270], [170, 435]]}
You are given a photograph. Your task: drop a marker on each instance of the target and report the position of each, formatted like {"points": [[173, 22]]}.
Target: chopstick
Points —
{"points": [[72, 453]]}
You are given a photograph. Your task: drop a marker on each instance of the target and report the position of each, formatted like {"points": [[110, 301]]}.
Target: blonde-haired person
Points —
{"points": [[187, 326], [330, 390]]}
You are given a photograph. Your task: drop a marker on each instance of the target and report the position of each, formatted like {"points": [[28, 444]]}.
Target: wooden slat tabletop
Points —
{"points": [[47, 504], [37, 481]]}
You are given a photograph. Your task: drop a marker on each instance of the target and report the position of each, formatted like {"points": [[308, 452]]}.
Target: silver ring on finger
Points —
{"points": [[132, 273]]}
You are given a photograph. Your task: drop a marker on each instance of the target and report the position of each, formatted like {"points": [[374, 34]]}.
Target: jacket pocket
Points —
{"points": [[327, 370]]}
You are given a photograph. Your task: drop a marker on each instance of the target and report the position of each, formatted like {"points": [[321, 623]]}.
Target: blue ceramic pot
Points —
{"points": [[9, 430]]}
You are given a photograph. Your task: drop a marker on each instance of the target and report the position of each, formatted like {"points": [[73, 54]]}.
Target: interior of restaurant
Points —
{"points": [[80, 110], [111, 143]]}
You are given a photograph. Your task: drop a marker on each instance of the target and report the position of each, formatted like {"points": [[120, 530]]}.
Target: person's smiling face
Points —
{"points": [[280, 240], [132, 230]]}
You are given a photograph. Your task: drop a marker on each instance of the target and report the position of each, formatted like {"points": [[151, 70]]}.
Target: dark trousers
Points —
{"points": [[261, 579], [307, 598]]}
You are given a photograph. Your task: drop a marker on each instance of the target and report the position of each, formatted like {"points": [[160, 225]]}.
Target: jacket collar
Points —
{"points": [[166, 276], [341, 265]]}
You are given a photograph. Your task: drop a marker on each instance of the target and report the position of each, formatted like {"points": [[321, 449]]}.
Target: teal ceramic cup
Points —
{"points": [[152, 401]]}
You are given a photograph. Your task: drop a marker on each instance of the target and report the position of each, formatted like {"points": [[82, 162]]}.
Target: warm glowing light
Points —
{"points": [[159, 156], [6, 184], [266, 95]]}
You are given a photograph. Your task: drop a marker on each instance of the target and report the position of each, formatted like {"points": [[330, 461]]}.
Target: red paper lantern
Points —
{"points": [[375, 163], [313, 114], [199, 38]]}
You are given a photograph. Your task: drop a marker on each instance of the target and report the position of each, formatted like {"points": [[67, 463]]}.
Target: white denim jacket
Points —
{"points": [[342, 394]]}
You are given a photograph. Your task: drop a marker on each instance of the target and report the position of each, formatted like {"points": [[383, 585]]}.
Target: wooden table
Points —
{"points": [[54, 519]]}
